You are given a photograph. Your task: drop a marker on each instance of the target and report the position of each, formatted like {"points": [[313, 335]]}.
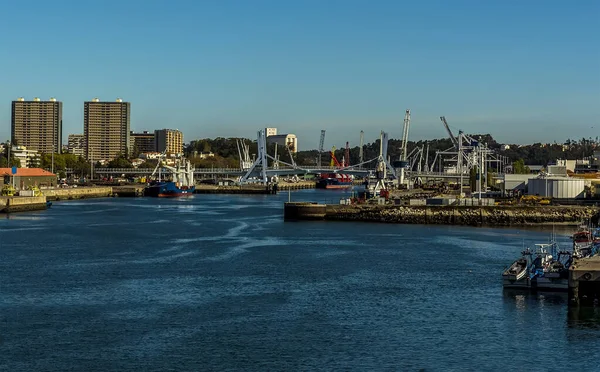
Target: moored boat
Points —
{"points": [[334, 181], [517, 275], [181, 183]]}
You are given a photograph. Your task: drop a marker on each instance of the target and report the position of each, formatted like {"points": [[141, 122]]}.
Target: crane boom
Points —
{"points": [[321, 144], [405, 133], [454, 140]]}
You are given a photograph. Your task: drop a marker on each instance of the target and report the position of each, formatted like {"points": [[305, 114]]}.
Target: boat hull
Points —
{"points": [[333, 184], [168, 190], [516, 284], [550, 284]]}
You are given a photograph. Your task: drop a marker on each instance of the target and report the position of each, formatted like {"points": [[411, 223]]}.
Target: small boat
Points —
{"points": [[582, 242], [549, 273], [517, 275]]}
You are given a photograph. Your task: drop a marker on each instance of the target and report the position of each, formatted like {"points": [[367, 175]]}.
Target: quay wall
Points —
{"points": [[454, 215], [77, 193], [9, 204]]}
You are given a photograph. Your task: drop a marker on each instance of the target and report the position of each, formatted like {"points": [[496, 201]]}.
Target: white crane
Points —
{"points": [[404, 145]]}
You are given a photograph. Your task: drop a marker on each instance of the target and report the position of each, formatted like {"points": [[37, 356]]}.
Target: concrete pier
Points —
{"points": [[584, 280], [78, 193], [10, 204]]}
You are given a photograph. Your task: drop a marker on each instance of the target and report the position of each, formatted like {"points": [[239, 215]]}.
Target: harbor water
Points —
{"points": [[221, 282]]}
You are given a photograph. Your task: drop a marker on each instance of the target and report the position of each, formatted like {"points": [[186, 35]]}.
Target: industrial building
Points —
{"points": [[106, 129], [169, 140], [27, 177], [288, 140], [556, 187], [76, 144], [142, 142], [37, 124]]}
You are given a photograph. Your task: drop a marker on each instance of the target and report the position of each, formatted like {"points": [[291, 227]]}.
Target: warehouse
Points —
{"points": [[556, 187]]}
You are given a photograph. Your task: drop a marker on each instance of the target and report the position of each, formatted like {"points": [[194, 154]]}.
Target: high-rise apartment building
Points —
{"points": [[106, 129], [170, 140], [76, 144], [142, 142], [37, 124]]}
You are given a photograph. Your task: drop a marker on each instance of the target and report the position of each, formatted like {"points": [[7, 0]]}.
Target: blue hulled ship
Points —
{"points": [[178, 182]]}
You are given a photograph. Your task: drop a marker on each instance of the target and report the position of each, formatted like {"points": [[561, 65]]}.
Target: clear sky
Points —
{"points": [[524, 71]]}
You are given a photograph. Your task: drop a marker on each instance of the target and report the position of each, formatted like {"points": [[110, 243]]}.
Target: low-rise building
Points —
{"points": [[27, 177]]}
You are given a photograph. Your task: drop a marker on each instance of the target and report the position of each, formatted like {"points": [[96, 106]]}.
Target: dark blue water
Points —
{"points": [[222, 283]]}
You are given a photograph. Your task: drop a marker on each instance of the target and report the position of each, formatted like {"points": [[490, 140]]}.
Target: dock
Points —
{"points": [[584, 281]]}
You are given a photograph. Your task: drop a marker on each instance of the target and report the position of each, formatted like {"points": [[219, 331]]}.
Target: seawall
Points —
{"points": [[446, 215], [9, 204], [78, 193]]}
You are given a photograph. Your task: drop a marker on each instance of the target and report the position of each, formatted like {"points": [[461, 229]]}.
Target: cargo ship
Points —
{"points": [[180, 183], [334, 181]]}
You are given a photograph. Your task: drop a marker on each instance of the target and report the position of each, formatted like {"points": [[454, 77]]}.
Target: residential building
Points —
{"points": [[169, 140], [26, 157], [142, 142], [76, 144], [37, 124], [270, 132], [106, 129], [288, 140]]}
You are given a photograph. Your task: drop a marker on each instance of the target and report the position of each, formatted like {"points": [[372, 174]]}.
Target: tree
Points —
{"points": [[120, 161], [519, 167]]}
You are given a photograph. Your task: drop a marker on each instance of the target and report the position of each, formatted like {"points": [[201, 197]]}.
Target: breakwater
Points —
{"points": [[446, 215]]}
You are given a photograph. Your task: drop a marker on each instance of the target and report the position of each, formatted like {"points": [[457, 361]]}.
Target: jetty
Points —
{"points": [[446, 215]]}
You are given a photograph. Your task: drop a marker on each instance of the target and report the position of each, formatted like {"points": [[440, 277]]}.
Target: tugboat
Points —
{"points": [[181, 182]]}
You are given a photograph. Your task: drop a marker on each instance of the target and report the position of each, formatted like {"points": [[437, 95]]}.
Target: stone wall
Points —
{"points": [[451, 215]]}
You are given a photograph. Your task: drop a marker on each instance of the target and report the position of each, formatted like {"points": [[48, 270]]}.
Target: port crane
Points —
{"points": [[403, 162]]}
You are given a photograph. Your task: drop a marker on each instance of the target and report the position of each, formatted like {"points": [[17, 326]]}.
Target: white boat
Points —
{"points": [[517, 275]]}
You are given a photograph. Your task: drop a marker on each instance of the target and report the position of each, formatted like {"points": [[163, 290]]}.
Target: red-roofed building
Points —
{"points": [[26, 177]]}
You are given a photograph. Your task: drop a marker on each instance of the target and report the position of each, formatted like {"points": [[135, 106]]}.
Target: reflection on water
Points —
{"points": [[583, 317]]}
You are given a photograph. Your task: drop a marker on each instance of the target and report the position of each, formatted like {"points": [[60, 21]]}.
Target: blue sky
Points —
{"points": [[523, 71]]}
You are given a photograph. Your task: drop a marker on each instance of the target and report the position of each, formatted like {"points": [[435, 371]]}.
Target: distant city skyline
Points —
{"points": [[522, 71]]}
